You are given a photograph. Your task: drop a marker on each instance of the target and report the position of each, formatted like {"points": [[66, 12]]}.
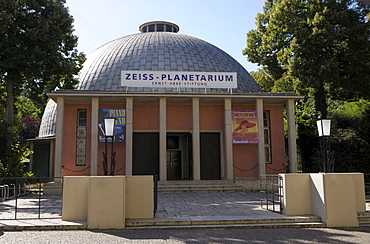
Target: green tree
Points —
{"points": [[37, 53], [320, 49], [269, 84], [351, 139], [263, 79], [321, 45]]}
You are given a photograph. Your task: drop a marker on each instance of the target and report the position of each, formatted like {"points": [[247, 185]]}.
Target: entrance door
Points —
{"points": [[179, 156], [41, 159], [145, 154], [174, 165], [210, 159]]}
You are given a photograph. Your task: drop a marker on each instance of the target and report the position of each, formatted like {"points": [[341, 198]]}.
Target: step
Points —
{"points": [[199, 186], [230, 226], [225, 222], [364, 214], [202, 190], [363, 219], [197, 182]]}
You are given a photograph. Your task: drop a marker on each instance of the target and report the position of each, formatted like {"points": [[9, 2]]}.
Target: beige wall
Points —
{"points": [[139, 197], [106, 204], [297, 194], [75, 198], [318, 195], [342, 204], [335, 197], [106, 201]]}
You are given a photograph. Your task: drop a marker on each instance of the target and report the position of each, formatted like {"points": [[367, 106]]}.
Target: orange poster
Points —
{"points": [[244, 124]]}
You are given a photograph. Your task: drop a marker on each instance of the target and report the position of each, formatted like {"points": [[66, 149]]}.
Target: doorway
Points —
{"points": [[210, 156], [145, 154], [41, 159], [179, 156], [174, 165]]}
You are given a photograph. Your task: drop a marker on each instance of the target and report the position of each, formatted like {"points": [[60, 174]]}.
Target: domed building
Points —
{"points": [[183, 110]]}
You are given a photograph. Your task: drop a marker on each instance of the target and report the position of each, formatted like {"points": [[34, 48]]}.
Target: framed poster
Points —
{"points": [[244, 124], [120, 128]]}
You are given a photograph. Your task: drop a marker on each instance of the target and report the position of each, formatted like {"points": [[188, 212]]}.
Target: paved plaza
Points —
{"points": [[32, 206], [213, 205], [172, 205]]}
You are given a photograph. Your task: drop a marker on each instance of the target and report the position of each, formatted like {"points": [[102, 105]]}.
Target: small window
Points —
{"points": [[267, 135], [81, 138], [160, 27], [168, 28], [173, 142]]}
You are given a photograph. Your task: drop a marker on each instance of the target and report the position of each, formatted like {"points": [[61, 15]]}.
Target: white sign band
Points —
{"points": [[178, 79]]}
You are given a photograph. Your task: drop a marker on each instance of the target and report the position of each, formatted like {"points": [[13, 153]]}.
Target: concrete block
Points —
{"points": [[106, 206], [75, 198], [139, 197], [297, 194]]}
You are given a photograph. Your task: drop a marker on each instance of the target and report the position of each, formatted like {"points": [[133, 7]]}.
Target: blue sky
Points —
{"points": [[224, 23]]}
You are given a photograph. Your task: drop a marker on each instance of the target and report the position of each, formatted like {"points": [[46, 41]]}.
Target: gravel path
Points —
{"points": [[326, 235]]}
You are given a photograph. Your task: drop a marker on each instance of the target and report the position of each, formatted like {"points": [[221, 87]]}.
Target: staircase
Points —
{"points": [[363, 219], [224, 222], [199, 186]]}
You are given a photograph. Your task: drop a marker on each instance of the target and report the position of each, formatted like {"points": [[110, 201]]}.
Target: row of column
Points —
{"points": [[163, 136]]}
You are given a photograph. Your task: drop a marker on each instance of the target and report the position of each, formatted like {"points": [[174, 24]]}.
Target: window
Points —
{"points": [[160, 27], [169, 28], [81, 138], [267, 135]]}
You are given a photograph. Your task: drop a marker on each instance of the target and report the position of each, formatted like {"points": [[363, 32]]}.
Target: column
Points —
{"points": [[261, 139], [292, 141], [162, 139], [52, 157], [59, 139], [32, 148], [228, 139], [196, 140], [94, 153], [129, 136]]}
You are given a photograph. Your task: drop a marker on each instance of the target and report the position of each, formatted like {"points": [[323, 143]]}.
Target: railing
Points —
{"points": [[11, 190], [155, 179], [30, 198], [271, 193]]}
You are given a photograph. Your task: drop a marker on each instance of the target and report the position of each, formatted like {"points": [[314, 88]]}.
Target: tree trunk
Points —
{"points": [[9, 115], [320, 100]]}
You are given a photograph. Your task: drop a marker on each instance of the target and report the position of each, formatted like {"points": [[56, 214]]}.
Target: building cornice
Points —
{"points": [[261, 95]]}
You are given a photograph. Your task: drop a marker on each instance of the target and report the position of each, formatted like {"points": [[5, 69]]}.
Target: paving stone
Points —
{"points": [[179, 208]]}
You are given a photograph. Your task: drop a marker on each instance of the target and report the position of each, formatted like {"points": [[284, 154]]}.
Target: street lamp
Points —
{"points": [[323, 128], [109, 126]]}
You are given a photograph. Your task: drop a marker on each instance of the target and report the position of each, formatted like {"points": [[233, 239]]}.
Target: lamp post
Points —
{"points": [[109, 126], [323, 128]]}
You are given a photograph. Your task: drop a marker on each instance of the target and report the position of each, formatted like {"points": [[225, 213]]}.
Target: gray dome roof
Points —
{"points": [[151, 51], [48, 121], [158, 51]]}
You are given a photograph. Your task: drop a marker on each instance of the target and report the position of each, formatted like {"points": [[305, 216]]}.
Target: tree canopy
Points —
{"points": [[37, 52], [322, 45], [320, 49]]}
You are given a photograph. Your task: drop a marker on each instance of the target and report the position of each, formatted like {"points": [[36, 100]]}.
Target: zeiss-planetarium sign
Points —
{"points": [[179, 79]]}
